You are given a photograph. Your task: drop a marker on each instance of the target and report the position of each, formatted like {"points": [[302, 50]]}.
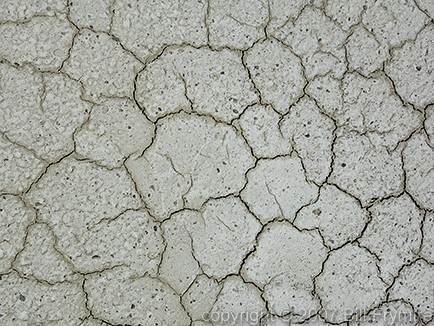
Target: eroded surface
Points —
{"points": [[214, 162]]}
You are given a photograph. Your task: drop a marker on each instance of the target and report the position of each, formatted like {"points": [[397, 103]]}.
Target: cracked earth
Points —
{"points": [[210, 162]]}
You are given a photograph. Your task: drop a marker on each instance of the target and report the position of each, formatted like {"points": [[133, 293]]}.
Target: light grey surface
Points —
{"points": [[213, 162]]}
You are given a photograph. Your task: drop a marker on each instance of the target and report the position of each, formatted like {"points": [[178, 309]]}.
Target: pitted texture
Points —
{"points": [[217, 162]]}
